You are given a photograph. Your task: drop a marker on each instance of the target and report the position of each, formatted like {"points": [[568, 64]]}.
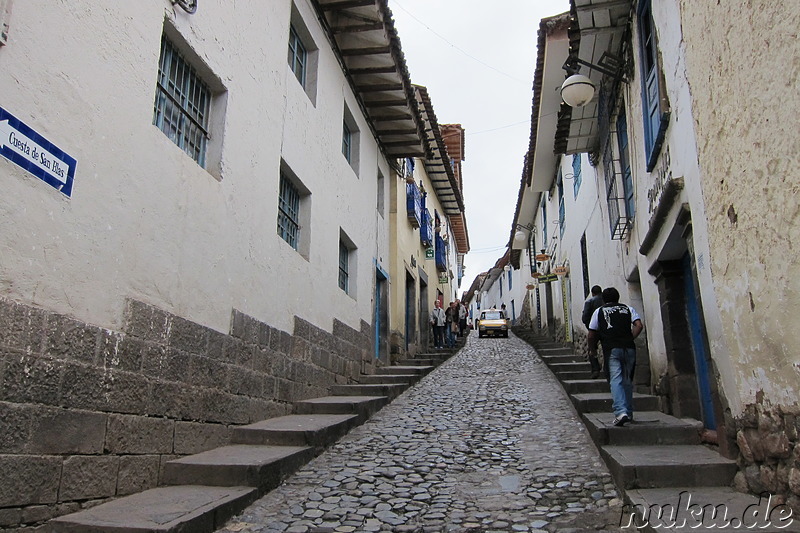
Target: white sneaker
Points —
{"points": [[621, 420]]}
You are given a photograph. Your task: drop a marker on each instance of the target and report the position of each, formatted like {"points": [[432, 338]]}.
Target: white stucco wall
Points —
{"points": [[145, 220], [743, 65]]}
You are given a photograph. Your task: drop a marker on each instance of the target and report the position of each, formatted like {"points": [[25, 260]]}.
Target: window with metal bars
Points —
{"points": [[347, 141], [182, 105], [576, 174], [344, 267], [298, 56], [289, 212]]}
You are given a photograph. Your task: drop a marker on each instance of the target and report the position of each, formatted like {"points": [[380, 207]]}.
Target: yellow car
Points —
{"points": [[492, 322]]}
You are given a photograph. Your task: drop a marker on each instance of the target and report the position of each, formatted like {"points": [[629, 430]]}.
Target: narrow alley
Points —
{"points": [[486, 442]]}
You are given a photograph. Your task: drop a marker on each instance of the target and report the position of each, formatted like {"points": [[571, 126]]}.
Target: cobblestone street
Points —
{"points": [[487, 442]]}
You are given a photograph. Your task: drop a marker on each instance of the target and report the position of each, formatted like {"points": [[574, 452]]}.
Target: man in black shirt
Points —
{"points": [[616, 325]]}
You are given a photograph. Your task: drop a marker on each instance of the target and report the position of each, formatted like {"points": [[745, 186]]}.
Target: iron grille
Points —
{"points": [[289, 212], [344, 266], [182, 103]]}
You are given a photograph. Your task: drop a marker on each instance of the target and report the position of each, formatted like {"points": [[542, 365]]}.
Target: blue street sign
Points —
{"points": [[32, 152]]}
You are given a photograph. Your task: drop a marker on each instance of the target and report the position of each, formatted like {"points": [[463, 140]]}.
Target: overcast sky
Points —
{"points": [[477, 59]]}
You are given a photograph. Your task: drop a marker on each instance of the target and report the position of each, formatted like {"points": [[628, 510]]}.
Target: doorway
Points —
{"points": [[381, 318], [424, 310], [410, 312]]}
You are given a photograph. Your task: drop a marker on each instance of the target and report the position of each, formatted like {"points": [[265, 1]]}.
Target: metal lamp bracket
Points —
{"points": [[190, 6], [609, 64]]}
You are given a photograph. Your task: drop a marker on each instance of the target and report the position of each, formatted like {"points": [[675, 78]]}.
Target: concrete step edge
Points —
{"points": [[195, 508], [260, 466], [319, 430]]}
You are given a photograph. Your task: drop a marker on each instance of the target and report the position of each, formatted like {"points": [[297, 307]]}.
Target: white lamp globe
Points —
{"points": [[520, 241], [577, 90]]}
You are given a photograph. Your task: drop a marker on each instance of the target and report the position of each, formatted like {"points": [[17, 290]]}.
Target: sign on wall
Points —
{"points": [[429, 253], [35, 154], [547, 278]]}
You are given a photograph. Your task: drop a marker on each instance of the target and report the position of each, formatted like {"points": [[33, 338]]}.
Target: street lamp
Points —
{"points": [[520, 240], [577, 90]]}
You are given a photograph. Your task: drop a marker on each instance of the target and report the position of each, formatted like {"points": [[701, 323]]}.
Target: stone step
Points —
{"points": [[555, 351], [296, 430], [547, 345], [648, 428], [194, 508], [238, 465], [432, 355], [580, 375], [390, 390], [677, 509], [362, 406], [576, 386], [645, 467], [418, 362], [403, 369], [600, 402], [556, 359], [558, 368], [409, 379]]}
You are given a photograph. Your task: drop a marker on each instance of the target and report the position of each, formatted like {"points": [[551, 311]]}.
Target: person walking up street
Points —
{"points": [[439, 322], [594, 301], [616, 325], [462, 318], [452, 319]]}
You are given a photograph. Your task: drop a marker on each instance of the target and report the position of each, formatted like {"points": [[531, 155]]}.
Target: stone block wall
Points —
{"points": [[769, 452], [88, 414]]}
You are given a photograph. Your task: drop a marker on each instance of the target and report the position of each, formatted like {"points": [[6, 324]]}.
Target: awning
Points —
{"points": [[368, 47]]}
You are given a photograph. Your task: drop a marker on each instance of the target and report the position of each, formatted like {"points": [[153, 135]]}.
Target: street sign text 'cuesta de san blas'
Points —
{"points": [[32, 152]]}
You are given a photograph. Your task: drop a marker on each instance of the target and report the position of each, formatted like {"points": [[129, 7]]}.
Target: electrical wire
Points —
{"points": [[394, 3]]}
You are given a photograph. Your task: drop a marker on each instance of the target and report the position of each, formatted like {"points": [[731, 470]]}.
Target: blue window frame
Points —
{"points": [[182, 103], [624, 163], [440, 254], [288, 212], [298, 56], [656, 113], [501, 287], [509, 280], [544, 222], [414, 204], [426, 228], [576, 173], [409, 166]]}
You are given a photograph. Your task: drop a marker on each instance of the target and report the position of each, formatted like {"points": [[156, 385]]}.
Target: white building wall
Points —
{"points": [[145, 220]]}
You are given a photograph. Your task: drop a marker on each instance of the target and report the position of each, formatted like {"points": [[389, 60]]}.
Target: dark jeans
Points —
{"points": [[438, 336], [462, 327]]}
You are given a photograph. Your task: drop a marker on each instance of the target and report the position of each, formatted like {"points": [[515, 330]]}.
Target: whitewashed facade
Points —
{"points": [[675, 224], [195, 229]]}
